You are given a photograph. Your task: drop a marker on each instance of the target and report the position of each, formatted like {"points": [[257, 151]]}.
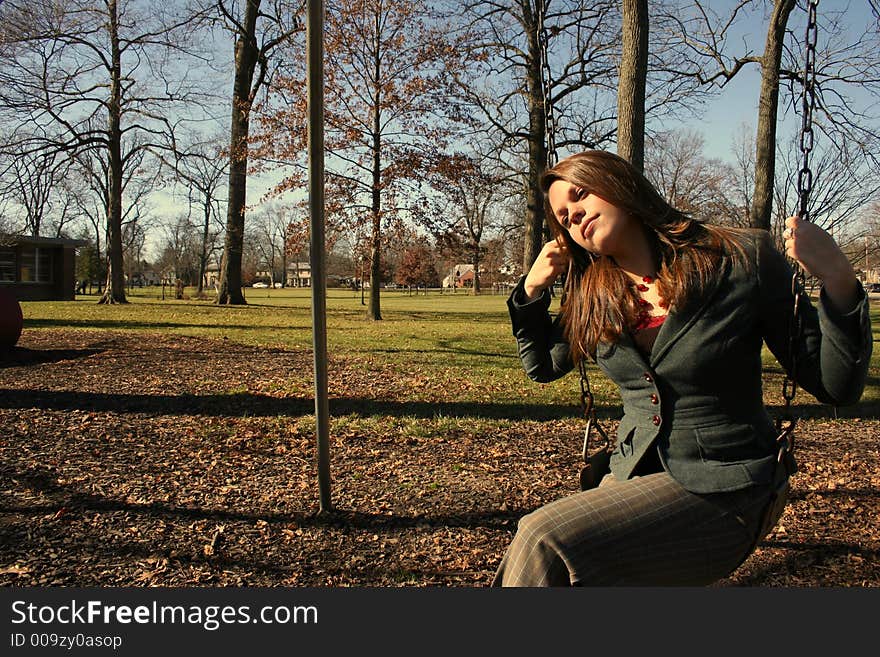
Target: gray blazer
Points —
{"points": [[698, 396]]}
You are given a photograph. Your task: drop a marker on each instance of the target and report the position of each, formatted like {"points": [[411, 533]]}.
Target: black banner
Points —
{"points": [[121, 621]]}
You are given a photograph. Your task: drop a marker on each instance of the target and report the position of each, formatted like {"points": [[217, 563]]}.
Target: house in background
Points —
{"points": [[151, 277], [460, 276], [299, 274], [212, 274], [39, 268]]}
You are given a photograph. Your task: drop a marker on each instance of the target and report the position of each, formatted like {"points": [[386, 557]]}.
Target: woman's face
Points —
{"points": [[592, 222]]}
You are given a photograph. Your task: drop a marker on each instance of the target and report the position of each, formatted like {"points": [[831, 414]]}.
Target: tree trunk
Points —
{"points": [[631, 86], [374, 310], [765, 153], [476, 263], [115, 290], [203, 256], [246, 54], [284, 259], [534, 228]]}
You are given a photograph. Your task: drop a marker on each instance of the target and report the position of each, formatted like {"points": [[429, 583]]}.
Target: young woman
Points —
{"points": [[675, 312]]}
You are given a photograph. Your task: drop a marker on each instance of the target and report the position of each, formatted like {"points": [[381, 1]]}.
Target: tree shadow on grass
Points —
{"points": [[442, 350], [265, 564], [46, 482], [257, 405], [867, 410], [21, 356], [69, 506], [339, 518], [153, 325]]}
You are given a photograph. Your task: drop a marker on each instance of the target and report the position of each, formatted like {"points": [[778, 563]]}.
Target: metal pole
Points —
{"points": [[315, 64]]}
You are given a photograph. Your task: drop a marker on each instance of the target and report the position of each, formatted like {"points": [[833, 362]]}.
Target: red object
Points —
{"points": [[641, 287], [648, 322], [647, 279], [11, 320]]}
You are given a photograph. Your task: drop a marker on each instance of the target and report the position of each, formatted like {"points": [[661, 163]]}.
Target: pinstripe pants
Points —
{"points": [[646, 531]]}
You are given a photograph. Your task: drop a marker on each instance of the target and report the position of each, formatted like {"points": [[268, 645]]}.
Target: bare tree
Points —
{"points": [[387, 114], [259, 29], [843, 185], [843, 61], [503, 82], [134, 237], [865, 252], [202, 167], [35, 185], [179, 250], [466, 206], [847, 64], [83, 76], [354, 246], [703, 187], [271, 233], [89, 185], [768, 105], [742, 147]]}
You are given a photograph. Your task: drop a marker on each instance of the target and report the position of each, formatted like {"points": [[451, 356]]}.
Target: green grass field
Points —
{"points": [[459, 342]]}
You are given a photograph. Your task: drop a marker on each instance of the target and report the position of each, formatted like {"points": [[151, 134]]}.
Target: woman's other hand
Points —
{"points": [[550, 263], [820, 256]]}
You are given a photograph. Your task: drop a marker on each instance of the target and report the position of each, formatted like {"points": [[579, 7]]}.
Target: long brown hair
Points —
{"points": [[600, 302]]}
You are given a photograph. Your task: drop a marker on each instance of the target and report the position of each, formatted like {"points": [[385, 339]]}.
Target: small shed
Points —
{"points": [[38, 268]]}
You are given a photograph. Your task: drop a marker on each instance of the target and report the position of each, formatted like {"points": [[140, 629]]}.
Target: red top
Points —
{"points": [[649, 322]]}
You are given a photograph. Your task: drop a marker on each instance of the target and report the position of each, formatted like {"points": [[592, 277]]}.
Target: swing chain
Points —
{"points": [[589, 411], [550, 127], [786, 424], [805, 175], [546, 96]]}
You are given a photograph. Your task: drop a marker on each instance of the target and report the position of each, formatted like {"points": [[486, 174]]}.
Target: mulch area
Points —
{"points": [[128, 460]]}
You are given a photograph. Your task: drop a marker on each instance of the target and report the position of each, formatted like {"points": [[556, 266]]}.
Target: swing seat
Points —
{"points": [[775, 506], [785, 468]]}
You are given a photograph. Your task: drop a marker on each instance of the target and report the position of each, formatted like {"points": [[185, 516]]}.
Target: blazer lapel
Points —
{"points": [[679, 321], [627, 344]]}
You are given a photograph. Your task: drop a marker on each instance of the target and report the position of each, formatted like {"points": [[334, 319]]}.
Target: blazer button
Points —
{"points": [[648, 377], [655, 399], [656, 420]]}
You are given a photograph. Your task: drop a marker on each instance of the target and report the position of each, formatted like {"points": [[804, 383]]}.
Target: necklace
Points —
{"points": [[645, 319]]}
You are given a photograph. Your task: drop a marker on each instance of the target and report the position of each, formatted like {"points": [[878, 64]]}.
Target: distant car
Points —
{"points": [[872, 287], [259, 284], [278, 286]]}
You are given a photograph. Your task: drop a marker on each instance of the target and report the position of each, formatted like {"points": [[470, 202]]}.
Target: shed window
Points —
{"points": [[7, 264], [36, 265], [44, 266]]}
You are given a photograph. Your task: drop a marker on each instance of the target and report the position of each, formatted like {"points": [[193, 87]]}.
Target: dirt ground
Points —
{"points": [[173, 461]]}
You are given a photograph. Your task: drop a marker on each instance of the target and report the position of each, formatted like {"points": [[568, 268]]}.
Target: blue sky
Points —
{"points": [[737, 102]]}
